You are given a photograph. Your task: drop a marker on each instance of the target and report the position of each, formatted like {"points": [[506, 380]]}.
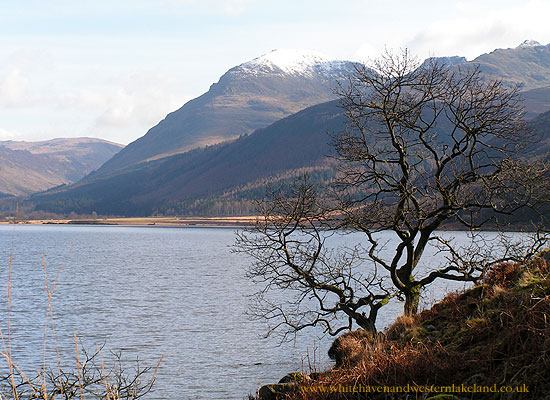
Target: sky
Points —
{"points": [[113, 69]]}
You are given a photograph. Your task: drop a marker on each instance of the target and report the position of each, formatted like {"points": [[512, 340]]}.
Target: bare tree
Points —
{"points": [[424, 146], [427, 145], [289, 249]]}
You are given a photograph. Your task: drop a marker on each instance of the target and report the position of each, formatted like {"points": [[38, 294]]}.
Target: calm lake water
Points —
{"points": [[150, 292]]}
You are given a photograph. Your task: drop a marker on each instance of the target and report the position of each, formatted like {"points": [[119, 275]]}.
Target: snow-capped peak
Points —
{"points": [[529, 43], [291, 61]]}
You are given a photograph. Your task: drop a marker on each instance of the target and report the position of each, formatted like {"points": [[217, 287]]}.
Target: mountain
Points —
{"points": [[224, 178], [261, 91], [235, 172], [27, 167], [528, 64], [297, 141], [447, 61], [536, 101], [247, 97]]}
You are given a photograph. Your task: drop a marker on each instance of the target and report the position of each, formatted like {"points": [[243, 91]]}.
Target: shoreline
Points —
{"points": [[143, 221], [246, 221]]}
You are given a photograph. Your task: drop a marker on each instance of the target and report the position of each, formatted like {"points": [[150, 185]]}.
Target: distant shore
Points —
{"points": [[161, 221], [208, 221]]}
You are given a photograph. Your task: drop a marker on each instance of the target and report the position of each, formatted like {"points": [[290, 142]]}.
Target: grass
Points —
{"points": [[495, 335]]}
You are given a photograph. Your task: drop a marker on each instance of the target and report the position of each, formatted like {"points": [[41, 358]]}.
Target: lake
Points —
{"points": [[176, 292]]}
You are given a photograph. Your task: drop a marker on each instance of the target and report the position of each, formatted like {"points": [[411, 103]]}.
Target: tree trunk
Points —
{"points": [[367, 323], [412, 297], [369, 326]]}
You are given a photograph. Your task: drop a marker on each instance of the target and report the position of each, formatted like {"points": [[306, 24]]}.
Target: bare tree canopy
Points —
{"points": [[427, 144], [424, 145], [288, 247]]}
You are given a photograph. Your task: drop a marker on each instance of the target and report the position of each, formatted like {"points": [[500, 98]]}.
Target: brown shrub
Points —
{"points": [[486, 335], [398, 328], [350, 347], [387, 365], [503, 274], [540, 264]]}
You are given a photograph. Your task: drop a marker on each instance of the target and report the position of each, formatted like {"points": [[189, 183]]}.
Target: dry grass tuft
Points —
{"points": [[401, 324], [503, 274], [349, 348]]}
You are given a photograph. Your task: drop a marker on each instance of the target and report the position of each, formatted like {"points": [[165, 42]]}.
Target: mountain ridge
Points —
{"points": [[291, 61], [283, 146], [27, 167], [527, 64], [237, 104]]}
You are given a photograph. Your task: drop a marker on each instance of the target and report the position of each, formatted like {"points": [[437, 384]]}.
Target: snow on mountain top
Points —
{"points": [[292, 61], [529, 43]]}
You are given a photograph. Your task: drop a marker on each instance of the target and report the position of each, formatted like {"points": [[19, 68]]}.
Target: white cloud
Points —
{"points": [[227, 7], [9, 135], [82, 98], [465, 28], [367, 52], [74, 76], [85, 100], [14, 89], [478, 29], [236, 7], [141, 110], [140, 99]]}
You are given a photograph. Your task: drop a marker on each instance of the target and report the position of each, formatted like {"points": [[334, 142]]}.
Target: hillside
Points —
{"points": [[247, 97], [204, 181], [536, 101], [207, 180], [528, 65], [28, 167], [294, 142], [490, 342]]}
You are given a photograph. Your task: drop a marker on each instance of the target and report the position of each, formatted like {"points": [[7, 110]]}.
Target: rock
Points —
{"points": [[429, 328], [276, 391], [293, 377]]}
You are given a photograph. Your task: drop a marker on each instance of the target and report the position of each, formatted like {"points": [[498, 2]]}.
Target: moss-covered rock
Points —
{"points": [[277, 391], [293, 377]]}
